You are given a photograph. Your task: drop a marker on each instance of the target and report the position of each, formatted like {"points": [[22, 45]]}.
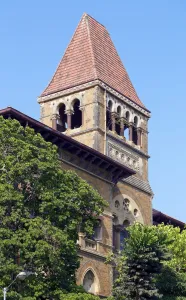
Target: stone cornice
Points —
{"points": [[93, 253], [91, 84]]}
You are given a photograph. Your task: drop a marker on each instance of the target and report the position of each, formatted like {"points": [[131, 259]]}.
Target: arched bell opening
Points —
{"points": [[126, 127], [108, 115], [77, 115], [62, 122], [134, 131]]}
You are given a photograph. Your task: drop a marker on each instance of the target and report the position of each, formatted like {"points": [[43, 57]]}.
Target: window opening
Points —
{"points": [[124, 234], [89, 283], [127, 115], [126, 127], [117, 204], [134, 135], [126, 131], [62, 122], [98, 231], [134, 131], [136, 213], [135, 121], [117, 125], [119, 111], [108, 115], [109, 120], [115, 234], [110, 105], [126, 204], [77, 115]]}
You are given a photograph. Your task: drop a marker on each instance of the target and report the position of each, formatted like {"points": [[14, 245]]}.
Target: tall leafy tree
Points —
{"points": [[172, 279], [41, 208], [140, 262]]}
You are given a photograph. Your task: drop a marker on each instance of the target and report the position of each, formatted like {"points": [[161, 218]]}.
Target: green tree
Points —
{"points": [[172, 279], [79, 296], [171, 282], [41, 208], [140, 262]]}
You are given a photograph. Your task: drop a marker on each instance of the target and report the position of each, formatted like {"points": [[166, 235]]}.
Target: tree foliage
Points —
{"points": [[140, 262], [172, 279], [79, 296], [171, 282], [177, 248], [41, 207]]}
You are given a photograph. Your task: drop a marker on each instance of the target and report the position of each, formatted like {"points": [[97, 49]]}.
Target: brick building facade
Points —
{"points": [[92, 112]]}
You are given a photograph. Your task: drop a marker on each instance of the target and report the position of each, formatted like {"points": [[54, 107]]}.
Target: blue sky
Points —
{"points": [[150, 37]]}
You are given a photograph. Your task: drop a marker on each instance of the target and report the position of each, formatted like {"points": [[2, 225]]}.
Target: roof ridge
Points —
{"points": [[92, 51]]}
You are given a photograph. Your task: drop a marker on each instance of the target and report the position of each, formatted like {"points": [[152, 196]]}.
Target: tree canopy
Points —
{"points": [[41, 209], [140, 262], [152, 263]]}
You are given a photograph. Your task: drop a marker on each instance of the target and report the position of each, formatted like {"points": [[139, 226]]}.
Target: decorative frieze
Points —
{"points": [[123, 155]]}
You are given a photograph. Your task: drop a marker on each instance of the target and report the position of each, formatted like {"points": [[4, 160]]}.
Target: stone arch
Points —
{"points": [[58, 105], [73, 101], [90, 281], [135, 121], [127, 115], [119, 110]]}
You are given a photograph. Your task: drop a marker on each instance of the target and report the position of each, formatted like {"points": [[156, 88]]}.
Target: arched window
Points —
{"points": [[108, 115], [110, 105], [135, 121], [119, 111], [124, 234], [115, 231], [126, 127], [109, 120], [89, 282], [134, 131], [117, 120], [77, 115], [127, 115], [62, 122]]}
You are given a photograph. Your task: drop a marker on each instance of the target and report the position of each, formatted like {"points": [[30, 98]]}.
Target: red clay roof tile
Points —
{"points": [[91, 55]]}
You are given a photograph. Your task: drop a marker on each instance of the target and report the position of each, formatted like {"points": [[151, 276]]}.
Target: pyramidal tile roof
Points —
{"points": [[91, 55]]}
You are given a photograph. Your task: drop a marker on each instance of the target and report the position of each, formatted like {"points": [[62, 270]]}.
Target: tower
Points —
{"points": [[92, 99]]}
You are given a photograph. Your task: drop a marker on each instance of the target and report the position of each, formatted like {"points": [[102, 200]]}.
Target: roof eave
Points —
{"points": [[118, 170]]}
